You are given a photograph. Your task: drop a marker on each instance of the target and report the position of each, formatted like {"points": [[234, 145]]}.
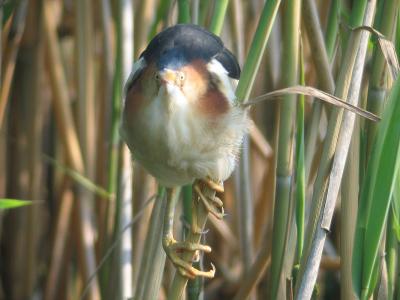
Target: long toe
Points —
{"points": [[213, 205], [173, 249], [218, 187], [187, 246], [185, 268], [193, 272]]}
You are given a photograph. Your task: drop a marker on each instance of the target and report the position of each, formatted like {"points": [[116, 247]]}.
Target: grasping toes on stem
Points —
{"points": [[214, 205], [172, 248]]}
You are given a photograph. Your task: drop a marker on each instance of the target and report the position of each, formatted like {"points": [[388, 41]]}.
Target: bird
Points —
{"points": [[182, 122]]}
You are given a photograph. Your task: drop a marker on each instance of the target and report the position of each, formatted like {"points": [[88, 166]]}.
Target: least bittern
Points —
{"points": [[182, 122]]}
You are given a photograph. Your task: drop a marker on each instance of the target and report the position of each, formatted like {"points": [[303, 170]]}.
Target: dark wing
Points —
{"points": [[137, 69], [229, 62], [197, 42]]}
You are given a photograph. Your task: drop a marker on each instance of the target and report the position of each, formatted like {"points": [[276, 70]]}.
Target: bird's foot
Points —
{"points": [[173, 249], [214, 205], [218, 187]]}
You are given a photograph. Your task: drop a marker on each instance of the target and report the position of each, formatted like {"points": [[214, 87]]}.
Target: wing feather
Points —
{"points": [[137, 69]]}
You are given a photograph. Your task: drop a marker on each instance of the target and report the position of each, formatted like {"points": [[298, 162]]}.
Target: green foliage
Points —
{"points": [[376, 195], [6, 203]]}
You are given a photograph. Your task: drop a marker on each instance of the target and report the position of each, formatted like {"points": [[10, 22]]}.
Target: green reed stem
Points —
{"points": [[218, 17], [284, 169], [391, 257], [332, 27], [321, 59], [183, 11], [199, 219], [300, 170], [256, 51]]}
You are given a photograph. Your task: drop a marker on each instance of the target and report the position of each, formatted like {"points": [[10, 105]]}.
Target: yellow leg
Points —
{"points": [[173, 248]]}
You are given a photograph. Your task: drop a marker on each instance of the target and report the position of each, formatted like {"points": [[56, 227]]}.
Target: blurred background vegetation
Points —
{"points": [[91, 228]]}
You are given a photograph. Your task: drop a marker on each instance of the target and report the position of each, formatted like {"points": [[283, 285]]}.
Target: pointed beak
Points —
{"points": [[167, 76]]}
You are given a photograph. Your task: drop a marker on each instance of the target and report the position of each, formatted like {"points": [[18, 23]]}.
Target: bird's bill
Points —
{"points": [[167, 76]]}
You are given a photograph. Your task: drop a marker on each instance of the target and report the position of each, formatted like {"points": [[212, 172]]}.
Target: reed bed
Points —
{"points": [[313, 208]]}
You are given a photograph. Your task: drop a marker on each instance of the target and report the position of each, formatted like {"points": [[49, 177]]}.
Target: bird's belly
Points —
{"points": [[177, 147]]}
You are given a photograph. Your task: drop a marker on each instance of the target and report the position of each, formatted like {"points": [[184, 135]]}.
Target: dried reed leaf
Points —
{"points": [[313, 92], [388, 49]]}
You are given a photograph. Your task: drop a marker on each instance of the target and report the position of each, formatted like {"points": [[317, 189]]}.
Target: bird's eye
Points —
{"points": [[157, 76], [181, 76]]}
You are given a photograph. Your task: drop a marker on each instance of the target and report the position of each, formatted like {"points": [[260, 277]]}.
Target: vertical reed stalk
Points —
{"points": [[203, 12], [323, 201], [120, 271], [32, 51], [348, 214], [256, 51], [195, 11], [391, 257], [105, 105], [126, 207], [199, 219], [243, 180], [109, 276], [321, 58], [60, 92], [85, 83], [195, 286], [300, 170], [217, 20], [59, 247], [332, 27], [183, 11], [15, 36], [86, 125], [1, 44], [245, 207], [153, 259], [284, 169]]}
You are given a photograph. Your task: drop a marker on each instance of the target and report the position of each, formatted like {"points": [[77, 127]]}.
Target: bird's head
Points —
{"points": [[187, 65], [179, 75]]}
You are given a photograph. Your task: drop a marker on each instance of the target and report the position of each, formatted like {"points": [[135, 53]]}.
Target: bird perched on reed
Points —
{"points": [[182, 122]]}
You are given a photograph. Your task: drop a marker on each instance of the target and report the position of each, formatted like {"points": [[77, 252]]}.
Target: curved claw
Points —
{"points": [[172, 248], [188, 271], [212, 209]]}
